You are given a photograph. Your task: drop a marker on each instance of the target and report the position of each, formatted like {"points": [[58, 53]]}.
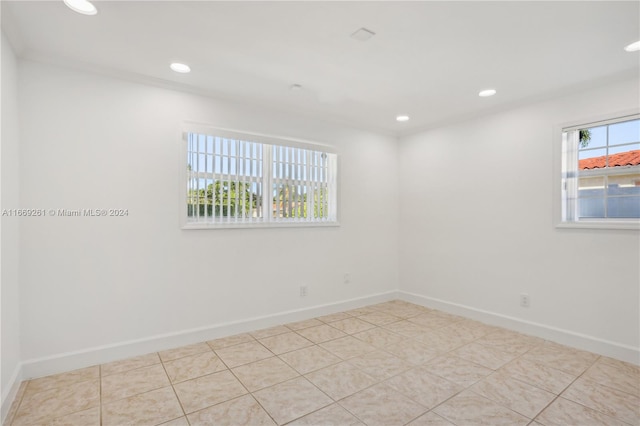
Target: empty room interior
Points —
{"points": [[320, 213]]}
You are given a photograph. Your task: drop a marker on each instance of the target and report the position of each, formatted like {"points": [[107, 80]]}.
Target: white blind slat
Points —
{"points": [[251, 182]]}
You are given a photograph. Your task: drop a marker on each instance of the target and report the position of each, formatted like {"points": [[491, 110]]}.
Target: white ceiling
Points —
{"points": [[428, 60]]}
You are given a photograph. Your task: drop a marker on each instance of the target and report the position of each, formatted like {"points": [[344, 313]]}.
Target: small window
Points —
{"points": [[601, 172], [239, 180]]}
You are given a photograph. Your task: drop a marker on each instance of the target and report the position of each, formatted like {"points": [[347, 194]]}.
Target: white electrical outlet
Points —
{"points": [[304, 290], [347, 278], [524, 300]]}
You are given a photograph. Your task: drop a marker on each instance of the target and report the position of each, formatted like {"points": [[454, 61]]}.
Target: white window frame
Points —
{"points": [[561, 184], [269, 142]]}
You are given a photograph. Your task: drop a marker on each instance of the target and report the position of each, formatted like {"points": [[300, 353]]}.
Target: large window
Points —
{"points": [[601, 172], [240, 180]]}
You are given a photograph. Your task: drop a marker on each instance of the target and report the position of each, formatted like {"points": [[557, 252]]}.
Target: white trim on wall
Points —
{"points": [[102, 354], [10, 393], [98, 355], [558, 335]]}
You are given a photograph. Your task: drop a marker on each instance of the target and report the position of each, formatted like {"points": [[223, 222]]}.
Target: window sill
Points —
{"points": [[596, 224], [195, 226]]}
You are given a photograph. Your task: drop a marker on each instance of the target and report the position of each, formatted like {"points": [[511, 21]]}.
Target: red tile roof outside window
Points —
{"points": [[628, 158]]}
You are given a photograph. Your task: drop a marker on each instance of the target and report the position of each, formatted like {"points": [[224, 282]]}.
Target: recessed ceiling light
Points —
{"points": [[363, 34], [487, 92], [181, 68], [402, 118], [81, 6], [633, 47]]}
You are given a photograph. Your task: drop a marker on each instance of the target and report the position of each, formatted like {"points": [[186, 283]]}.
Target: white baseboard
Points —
{"points": [[9, 393], [565, 337], [99, 355]]}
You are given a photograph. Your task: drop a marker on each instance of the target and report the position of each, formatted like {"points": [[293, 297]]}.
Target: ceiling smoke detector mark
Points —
{"points": [[363, 34]]}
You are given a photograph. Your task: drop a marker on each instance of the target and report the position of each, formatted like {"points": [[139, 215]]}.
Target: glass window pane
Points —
{"points": [[228, 173], [624, 207], [591, 184], [616, 190], [592, 159], [625, 132], [593, 137], [625, 148], [591, 208], [624, 181]]}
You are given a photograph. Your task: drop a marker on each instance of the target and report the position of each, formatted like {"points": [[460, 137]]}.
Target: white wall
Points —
{"points": [[477, 227], [466, 234], [9, 166], [91, 141]]}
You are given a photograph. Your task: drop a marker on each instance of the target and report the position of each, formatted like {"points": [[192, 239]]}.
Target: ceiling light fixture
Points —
{"points": [[633, 47], [363, 34], [81, 6], [486, 93], [181, 68], [402, 118]]}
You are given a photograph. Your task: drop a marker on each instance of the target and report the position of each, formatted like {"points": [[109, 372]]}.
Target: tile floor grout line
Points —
{"points": [[131, 369], [464, 388], [58, 387], [243, 385], [599, 384], [185, 356], [469, 338], [208, 342], [100, 392], [262, 407], [497, 371], [348, 411], [605, 386], [535, 385], [545, 407], [333, 401], [184, 413], [336, 401], [556, 396], [444, 401], [505, 405]]}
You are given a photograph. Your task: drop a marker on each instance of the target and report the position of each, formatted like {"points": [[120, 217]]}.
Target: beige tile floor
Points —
{"points": [[394, 363]]}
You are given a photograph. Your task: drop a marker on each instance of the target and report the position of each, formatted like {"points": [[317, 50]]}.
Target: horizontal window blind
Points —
{"points": [[234, 181]]}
